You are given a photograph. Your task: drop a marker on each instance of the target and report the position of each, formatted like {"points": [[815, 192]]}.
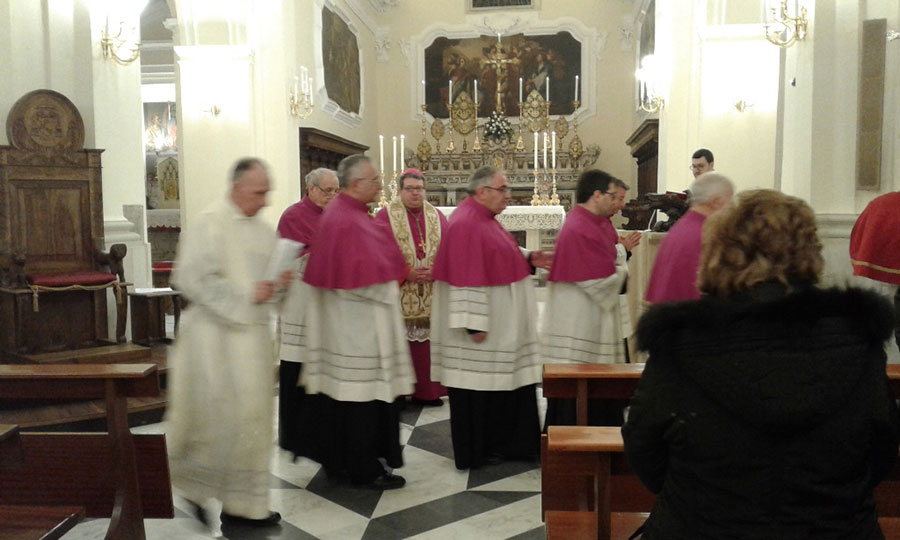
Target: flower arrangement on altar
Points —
{"points": [[497, 127]]}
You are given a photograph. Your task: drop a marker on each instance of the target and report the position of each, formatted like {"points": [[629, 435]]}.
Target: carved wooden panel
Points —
{"points": [[322, 149]]}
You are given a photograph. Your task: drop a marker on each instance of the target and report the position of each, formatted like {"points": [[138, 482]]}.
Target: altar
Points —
{"points": [[540, 224]]}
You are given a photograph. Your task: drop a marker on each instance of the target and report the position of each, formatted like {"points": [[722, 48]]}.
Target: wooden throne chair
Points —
{"points": [[54, 274]]}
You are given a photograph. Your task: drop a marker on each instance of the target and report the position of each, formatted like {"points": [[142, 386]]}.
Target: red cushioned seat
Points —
{"points": [[88, 277], [163, 266]]}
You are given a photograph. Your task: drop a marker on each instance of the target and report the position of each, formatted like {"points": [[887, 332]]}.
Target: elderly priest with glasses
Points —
{"points": [[484, 340], [355, 354]]}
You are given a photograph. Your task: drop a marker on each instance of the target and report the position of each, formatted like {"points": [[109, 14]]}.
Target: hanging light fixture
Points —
{"points": [[784, 30]]}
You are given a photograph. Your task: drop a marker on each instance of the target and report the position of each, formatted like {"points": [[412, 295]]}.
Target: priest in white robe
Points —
{"points": [[583, 319], [220, 412], [355, 352], [484, 337]]}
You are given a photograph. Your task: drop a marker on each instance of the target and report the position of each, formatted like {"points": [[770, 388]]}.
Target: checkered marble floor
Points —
{"points": [[438, 502]]}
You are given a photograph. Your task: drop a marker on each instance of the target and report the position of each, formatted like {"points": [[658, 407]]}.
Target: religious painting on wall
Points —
{"points": [[161, 148], [340, 56], [540, 61]]}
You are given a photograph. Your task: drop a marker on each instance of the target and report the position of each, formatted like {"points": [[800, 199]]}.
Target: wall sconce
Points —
{"points": [[301, 96], [782, 29], [892, 35], [213, 111], [647, 76], [742, 105], [122, 44], [124, 47]]}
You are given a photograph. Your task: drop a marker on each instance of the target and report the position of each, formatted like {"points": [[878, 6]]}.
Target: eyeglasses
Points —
{"points": [[697, 167], [329, 191], [504, 189], [414, 189]]}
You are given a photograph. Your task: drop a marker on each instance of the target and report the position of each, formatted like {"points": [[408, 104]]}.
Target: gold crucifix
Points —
{"points": [[499, 60]]}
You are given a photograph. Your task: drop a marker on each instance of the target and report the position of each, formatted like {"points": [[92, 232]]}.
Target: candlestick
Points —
{"points": [[381, 152], [520, 89], [394, 160], [576, 87], [476, 97], [545, 149], [535, 151], [402, 146], [547, 82], [450, 98], [553, 148]]}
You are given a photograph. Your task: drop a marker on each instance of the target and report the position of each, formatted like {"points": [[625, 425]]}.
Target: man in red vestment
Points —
{"points": [[417, 226], [298, 223]]}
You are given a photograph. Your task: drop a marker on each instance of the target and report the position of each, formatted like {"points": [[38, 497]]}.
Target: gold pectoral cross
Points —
{"points": [[422, 245]]}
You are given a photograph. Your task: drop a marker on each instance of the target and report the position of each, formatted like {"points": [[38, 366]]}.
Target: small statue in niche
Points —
{"points": [[152, 191]]}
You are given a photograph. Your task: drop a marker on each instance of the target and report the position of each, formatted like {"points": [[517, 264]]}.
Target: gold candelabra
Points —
{"points": [[784, 30]]}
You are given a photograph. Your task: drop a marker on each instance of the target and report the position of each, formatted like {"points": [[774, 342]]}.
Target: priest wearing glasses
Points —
{"points": [[484, 345], [298, 223], [355, 354], [417, 226]]}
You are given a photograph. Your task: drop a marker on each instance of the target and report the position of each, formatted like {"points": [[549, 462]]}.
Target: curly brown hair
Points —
{"points": [[765, 236]]}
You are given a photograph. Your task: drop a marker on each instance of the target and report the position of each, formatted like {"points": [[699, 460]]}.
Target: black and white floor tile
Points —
{"points": [[438, 502]]}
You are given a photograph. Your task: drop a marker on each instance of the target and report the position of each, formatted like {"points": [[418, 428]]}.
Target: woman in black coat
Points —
{"points": [[764, 409]]}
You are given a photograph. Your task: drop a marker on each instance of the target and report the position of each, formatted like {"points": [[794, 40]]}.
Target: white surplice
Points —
{"points": [[354, 345], [585, 321], [293, 311], [221, 370], [508, 359]]}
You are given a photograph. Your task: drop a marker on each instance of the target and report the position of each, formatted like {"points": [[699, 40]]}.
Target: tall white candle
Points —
{"points": [[381, 151], [402, 147], [535, 150], [545, 149], [394, 160], [450, 95], [553, 147], [424, 97], [476, 97], [576, 87], [520, 89], [547, 79], [312, 91]]}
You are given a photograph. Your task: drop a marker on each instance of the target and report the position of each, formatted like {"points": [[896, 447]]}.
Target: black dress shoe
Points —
{"points": [[437, 402], [386, 481], [273, 519]]}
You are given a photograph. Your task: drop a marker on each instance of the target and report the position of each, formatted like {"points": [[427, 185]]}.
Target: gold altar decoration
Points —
{"points": [[536, 112], [528, 165], [463, 117]]}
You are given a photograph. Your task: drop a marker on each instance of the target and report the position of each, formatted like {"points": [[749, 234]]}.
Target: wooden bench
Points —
{"points": [[584, 382], [613, 504], [112, 474], [121, 353]]}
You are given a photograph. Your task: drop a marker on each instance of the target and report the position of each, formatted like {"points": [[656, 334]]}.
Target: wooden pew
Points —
{"points": [[110, 474], [617, 381], [613, 504], [595, 453]]}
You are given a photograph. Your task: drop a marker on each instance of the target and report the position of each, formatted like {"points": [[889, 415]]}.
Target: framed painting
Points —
{"points": [[539, 60], [340, 58]]}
